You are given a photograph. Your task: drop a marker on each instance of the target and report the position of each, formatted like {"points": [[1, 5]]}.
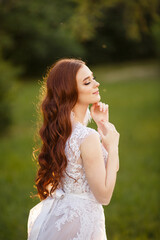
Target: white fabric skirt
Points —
{"points": [[67, 216]]}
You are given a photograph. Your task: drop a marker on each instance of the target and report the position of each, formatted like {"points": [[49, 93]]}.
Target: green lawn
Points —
{"points": [[134, 110]]}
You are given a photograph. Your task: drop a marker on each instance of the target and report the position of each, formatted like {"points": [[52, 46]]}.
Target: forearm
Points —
{"points": [[111, 150], [111, 172]]}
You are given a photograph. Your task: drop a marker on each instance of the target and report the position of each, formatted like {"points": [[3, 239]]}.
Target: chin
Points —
{"points": [[96, 100]]}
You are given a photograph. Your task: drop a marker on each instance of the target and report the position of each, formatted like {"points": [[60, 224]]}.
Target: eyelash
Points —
{"points": [[90, 82]]}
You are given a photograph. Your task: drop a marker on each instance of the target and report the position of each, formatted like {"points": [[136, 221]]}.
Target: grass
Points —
{"points": [[134, 110]]}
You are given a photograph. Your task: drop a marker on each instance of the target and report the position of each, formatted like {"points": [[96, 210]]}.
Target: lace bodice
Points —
{"points": [[75, 179]]}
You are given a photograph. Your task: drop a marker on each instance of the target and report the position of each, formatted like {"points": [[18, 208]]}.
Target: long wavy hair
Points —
{"points": [[60, 96]]}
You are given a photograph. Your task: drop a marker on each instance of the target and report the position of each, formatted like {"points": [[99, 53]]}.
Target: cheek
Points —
{"points": [[85, 95], [85, 92], [88, 89]]}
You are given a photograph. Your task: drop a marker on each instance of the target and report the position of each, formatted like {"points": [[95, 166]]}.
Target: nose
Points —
{"points": [[96, 83]]}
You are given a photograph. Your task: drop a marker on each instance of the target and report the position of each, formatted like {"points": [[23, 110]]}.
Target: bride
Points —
{"points": [[77, 164]]}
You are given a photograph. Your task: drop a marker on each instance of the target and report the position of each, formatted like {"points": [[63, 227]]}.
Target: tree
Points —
{"points": [[36, 33], [116, 30]]}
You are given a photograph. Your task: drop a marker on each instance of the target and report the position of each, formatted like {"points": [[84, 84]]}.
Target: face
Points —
{"points": [[87, 86]]}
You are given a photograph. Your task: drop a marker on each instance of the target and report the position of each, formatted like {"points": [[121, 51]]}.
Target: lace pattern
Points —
{"points": [[75, 180]]}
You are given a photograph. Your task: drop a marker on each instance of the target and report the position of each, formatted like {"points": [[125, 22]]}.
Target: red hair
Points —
{"points": [[61, 95]]}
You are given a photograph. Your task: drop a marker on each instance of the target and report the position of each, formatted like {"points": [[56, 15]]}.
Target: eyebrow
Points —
{"points": [[87, 77]]}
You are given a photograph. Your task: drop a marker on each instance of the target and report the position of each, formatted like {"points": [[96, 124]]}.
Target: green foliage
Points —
{"points": [[136, 17], [34, 34], [156, 35], [124, 32], [87, 16], [8, 74]]}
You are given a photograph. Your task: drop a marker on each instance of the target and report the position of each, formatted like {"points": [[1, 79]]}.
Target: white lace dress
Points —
{"points": [[71, 212]]}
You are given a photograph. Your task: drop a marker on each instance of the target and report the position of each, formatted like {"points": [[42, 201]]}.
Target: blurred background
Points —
{"points": [[120, 42]]}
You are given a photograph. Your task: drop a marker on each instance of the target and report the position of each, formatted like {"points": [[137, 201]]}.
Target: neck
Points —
{"points": [[80, 112]]}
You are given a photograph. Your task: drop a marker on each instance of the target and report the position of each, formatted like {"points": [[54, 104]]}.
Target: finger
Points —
{"points": [[93, 107], [101, 106], [104, 107], [107, 125], [112, 126], [107, 112], [98, 103]]}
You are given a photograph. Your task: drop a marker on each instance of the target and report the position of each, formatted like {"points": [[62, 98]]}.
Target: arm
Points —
{"points": [[111, 171], [101, 179]]}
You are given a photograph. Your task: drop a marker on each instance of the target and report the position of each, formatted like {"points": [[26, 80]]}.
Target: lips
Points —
{"points": [[97, 92]]}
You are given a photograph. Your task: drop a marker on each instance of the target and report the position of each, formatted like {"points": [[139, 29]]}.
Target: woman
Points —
{"points": [[77, 172]]}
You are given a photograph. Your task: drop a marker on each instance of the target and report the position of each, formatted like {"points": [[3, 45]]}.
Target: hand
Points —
{"points": [[109, 134], [110, 137], [99, 111]]}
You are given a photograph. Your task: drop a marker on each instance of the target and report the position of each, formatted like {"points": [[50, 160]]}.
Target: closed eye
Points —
{"points": [[87, 83], [90, 82]]}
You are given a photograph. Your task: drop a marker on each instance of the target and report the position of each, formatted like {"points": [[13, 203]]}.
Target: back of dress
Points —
{"points": [[71, 212]]}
